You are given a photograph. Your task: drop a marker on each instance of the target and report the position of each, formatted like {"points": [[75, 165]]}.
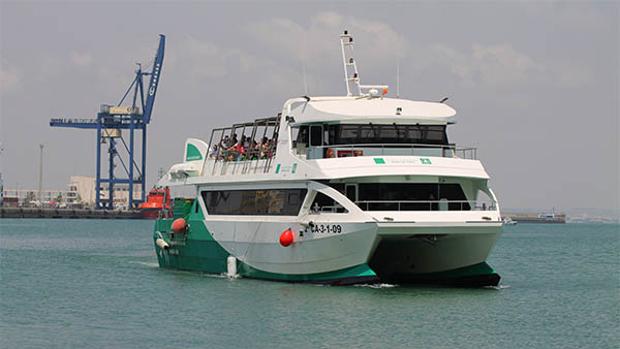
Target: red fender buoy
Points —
{"points": [[287, 237], [179, 225]]}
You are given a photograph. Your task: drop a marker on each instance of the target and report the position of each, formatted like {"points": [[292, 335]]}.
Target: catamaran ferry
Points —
{"points": [[340, 190]]}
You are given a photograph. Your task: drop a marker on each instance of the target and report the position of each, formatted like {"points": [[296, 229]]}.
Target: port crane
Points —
{"points": [[111, 122]]}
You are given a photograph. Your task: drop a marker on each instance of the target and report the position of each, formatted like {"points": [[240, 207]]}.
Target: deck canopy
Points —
{"points": [[371, 110]]}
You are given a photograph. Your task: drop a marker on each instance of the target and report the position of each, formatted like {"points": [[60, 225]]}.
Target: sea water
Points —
{"points": [[96, 284]]}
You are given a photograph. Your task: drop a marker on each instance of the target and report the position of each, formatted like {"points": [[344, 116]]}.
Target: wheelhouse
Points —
{"points": [[325, 128], [323, 141]]}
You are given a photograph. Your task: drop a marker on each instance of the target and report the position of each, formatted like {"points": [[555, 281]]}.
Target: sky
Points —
{"points": [[535, 84]]}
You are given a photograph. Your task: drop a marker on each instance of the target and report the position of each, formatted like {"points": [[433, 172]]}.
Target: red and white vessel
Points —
{"points": [[157, 201]]}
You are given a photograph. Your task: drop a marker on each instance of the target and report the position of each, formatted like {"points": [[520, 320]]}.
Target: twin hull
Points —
{"points": [[333, 252]]}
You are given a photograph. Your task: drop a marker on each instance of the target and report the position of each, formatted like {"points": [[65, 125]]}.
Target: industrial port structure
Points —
{"points": [[109, 125]]}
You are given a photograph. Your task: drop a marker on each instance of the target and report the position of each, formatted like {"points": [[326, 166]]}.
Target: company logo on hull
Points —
{"points": [[379, 161]]}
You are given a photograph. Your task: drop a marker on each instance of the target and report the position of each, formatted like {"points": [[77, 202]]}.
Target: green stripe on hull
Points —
{"points": [[203, 256], [357, 274], [200, 252], [473, 270], [209, 257], [197, 251], [477, 275]]}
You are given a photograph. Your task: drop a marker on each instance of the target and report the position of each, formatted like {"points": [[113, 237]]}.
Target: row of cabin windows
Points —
{"points": [[272, 202], [408, 196], [267, 202], [341, 134], [368, 196], [398, 196]]}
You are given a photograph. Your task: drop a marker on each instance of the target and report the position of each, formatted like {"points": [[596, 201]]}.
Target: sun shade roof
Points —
{"points": [[377, 110]]}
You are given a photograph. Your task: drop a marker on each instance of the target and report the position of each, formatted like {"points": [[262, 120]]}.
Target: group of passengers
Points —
{"points": [[234, 149]]}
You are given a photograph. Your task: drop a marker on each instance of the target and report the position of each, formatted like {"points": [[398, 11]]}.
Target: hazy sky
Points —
{"points": [[535, 85]]}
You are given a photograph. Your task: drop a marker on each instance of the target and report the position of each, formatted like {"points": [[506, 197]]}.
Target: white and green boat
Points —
{"points": [[338, 190]]}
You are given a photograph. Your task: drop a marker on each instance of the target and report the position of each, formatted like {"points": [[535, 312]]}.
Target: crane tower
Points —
{"points": [[110, 124]]}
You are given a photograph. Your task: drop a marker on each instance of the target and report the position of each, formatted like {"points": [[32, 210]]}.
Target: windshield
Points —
{"points": [[387, 134]]}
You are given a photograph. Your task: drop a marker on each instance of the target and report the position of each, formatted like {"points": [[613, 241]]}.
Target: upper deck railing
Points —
{"points": [[412, 205], [382, 149], [219, 166], [426, 205], [255, 160]]}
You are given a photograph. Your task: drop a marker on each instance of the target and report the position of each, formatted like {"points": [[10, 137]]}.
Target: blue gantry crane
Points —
{"points": [[110, 123]]}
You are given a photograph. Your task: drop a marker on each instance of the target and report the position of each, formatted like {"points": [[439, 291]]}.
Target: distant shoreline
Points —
{"points": [[67, 213]]}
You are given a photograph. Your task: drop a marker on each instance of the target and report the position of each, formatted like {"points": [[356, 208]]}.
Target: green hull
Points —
{"points": [[209, 257], [196, 250]]}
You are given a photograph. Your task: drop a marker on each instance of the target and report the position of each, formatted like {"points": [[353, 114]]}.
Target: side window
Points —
{"points": [[302, 135], [271, 202], [316, 135], [411, 196], [324, 203], [350, 191]]}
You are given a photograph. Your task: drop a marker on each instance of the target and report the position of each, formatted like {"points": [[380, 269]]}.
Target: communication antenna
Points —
{"points": [[303, 70], [398, 77], [303, 66]]}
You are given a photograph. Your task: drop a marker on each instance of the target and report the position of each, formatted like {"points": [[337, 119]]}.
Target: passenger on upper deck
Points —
{"points": [[231, 148], [245, 149]]}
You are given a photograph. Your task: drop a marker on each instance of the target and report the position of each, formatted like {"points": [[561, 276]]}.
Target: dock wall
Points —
{"points": [[22, 212]]}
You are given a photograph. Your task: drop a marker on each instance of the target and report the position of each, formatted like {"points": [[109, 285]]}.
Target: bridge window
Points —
{"points": [[387, 134], [324, 203], [316, 135]]}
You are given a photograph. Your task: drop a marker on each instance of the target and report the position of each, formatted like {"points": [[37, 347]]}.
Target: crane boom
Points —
{"points": [[154, 82]]}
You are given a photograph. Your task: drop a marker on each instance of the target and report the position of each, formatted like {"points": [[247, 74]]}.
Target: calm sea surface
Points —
{"points": [[88, 283]]}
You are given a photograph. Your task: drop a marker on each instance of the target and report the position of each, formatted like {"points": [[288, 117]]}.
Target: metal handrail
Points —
{"points": [[447, 150], [473, 205], [452, 145]]}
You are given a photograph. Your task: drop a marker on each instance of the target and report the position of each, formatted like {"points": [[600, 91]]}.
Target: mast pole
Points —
{"points": [[344, 62]]}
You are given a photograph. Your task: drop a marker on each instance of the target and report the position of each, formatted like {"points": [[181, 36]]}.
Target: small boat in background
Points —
{"points": [[157, 201], [508, 221]]}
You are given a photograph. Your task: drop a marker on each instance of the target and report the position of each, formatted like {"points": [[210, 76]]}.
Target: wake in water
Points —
{"points": [[376, 286], [230, 277], [498, 287], [156, 266], [147, 264]]}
